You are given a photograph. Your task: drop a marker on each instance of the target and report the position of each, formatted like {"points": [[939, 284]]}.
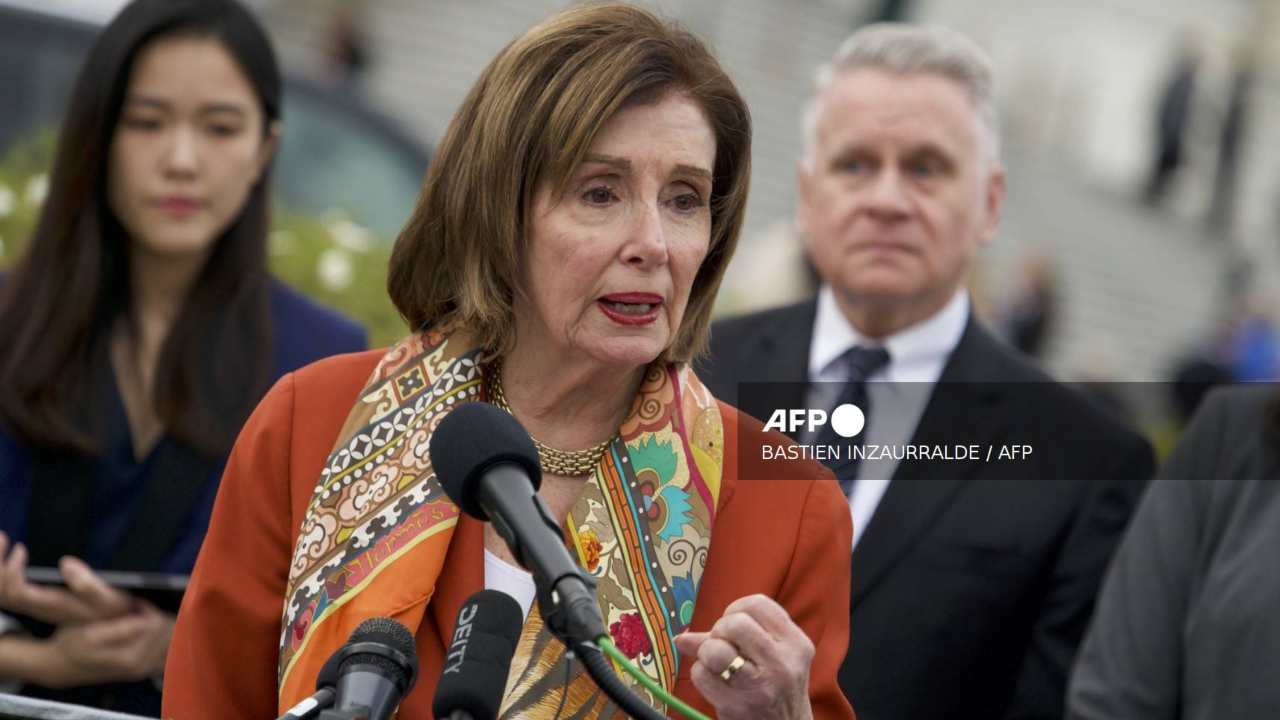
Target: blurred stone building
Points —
{"points": [[1077, 86]]}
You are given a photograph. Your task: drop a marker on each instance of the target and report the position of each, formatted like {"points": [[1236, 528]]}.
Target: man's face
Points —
{"points": [[898, 193]]}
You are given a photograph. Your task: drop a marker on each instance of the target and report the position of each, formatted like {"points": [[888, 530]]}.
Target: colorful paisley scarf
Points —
{"points": [[376, 532]]}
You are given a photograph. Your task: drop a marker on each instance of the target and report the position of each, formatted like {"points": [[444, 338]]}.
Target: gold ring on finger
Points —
{"points": [[734, 666]]}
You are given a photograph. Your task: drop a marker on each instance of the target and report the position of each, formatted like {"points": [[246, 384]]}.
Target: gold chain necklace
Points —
{"points": [[566, 463]]}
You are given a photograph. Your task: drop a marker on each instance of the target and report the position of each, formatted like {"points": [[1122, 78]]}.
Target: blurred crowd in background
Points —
{"points": [[1140, 238]]}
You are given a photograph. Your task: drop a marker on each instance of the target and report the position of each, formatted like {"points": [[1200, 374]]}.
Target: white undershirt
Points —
{"points": [[504, 577], [898, 393]]}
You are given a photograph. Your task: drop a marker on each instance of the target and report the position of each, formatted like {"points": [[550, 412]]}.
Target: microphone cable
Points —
{"points": [[605, 645]]}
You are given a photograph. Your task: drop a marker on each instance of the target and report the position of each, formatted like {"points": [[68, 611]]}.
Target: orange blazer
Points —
{"points": [[787, 539]]}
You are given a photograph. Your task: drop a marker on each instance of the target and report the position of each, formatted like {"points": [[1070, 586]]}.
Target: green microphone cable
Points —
{"points": [[605, 643]]}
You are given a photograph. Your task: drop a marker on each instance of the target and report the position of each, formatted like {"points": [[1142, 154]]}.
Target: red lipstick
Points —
{"points": [[631, 308]]}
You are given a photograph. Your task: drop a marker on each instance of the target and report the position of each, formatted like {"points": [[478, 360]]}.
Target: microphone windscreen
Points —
{"points": [[470, 440], [387, 632], [478, 656]]}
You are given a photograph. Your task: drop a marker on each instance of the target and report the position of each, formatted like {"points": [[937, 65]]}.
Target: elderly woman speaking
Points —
{"points": [[561, 264]]}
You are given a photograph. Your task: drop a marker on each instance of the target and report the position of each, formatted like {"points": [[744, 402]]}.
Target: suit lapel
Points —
{"points": [[779, 361], [921, 490]]}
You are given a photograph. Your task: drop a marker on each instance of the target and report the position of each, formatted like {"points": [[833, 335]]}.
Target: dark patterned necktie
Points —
{"points": [[859, 363]]}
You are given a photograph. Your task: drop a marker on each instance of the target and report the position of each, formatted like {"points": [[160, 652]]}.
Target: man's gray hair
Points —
{"points": [[908, 49]]}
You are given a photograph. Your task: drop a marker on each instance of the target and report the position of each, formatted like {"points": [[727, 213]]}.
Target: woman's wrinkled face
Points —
{"points": [[188, 147], [609, 263]]}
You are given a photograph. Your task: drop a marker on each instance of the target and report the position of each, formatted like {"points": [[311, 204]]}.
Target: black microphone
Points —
{"points": [[309, 708], [371, 673], [489, 467], [478, 659]]}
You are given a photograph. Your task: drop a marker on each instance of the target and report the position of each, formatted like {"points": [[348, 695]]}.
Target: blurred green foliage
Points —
{"points": [[337, 263], [23, 182], [330, 259]]}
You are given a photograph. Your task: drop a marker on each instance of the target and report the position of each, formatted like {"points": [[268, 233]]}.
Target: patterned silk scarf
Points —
{"points": [[376, 532]]}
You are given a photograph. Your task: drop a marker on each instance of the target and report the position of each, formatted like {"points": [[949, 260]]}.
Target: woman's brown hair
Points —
{"points": [[529, 119]]}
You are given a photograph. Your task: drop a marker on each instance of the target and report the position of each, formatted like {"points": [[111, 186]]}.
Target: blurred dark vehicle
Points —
{"points": [[336, 153]]}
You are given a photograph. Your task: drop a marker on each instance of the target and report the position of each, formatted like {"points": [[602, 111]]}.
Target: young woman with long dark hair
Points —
{"points": [[140, 329]]}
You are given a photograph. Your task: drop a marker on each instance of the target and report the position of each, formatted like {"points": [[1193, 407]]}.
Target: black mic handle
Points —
{"points": [[308, 708], [461, 715], [511, 475], [566, 593], [357, 714], [570, 609], [331, 677]]}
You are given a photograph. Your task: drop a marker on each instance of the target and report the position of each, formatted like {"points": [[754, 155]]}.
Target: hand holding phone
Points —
{"points": [[127, 648], [53, 605], [114, 592], [105, 632]]}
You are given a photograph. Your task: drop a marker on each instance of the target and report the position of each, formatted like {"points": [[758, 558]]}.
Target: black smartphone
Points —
{"points": [[163, 590]]}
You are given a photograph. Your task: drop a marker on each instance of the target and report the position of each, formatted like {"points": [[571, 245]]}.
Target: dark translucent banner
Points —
{"points": [[923, 431]]}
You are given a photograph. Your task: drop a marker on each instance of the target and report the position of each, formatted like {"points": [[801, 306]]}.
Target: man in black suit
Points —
{"points": [[973, 578]]}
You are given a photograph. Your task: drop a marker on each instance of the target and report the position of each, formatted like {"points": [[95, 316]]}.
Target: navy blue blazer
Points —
{"points": [[304, 332]]}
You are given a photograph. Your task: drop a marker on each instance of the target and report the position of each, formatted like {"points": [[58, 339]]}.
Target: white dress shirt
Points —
{"points": [[898, 393]]}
